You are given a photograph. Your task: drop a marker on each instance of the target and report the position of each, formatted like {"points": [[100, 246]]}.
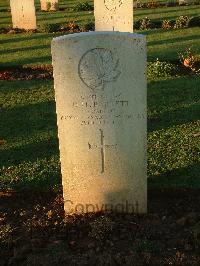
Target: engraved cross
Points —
{"points": [[102, 149], [22, 11]]}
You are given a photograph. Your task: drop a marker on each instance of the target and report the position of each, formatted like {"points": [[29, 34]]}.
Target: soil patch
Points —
{"points": [[34, 231], [20, 73]]}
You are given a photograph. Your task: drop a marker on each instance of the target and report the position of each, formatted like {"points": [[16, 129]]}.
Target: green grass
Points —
{"points": [[34, 49], [28, 127], [70, 15], [166, 44], [25, 49], [28, 132], [173, 125], [167, 12], [29, 156]]}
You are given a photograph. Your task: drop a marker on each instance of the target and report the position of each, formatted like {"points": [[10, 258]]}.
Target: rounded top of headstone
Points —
{"points": [[99, 33]]}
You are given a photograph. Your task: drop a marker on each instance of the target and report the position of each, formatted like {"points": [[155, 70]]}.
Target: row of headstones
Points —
{"points": [[110, 15], [24, 15], [101, 91]]}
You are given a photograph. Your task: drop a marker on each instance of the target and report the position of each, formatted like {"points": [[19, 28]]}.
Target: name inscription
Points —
{"points": [[97, 110]]}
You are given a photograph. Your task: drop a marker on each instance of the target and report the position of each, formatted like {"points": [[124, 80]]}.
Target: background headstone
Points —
{"points": [[23, 14], [113, 15], [100, 86], [185, 2], [49, 5], [54, 5], [44, 5], [135, 4]]}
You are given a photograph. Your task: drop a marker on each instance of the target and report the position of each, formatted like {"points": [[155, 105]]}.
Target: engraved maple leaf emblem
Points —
{"points": [[97, 67], [112, 5]]}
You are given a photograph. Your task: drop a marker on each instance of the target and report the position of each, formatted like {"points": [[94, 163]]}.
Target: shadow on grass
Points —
{"points": [[176, 117], [25, 37], [29, 48], [186, 177], [29, 132], [173, 40], [29, 143], [152, 31], [27, 61], [159, 11], [4, 24], [29, 152], [173, 102], [72, 17], [28, 120], [43, 17]]}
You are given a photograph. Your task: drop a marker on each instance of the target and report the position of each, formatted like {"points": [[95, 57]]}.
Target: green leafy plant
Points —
{"points": [[166, 24], [152, 4], [85, 6], [145, 24], [190, 60], [4, 30], [72, 27], [48, 28], [194, 22], [89, 26], [136, 24], [156, 24], [54, 6], [181, 22], [143, 5], [160, 69]]}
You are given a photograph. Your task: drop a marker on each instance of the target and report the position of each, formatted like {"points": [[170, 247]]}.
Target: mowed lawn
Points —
{"points": [[34, 49], [28, 131]]}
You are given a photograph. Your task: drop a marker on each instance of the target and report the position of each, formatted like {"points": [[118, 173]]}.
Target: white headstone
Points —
{"points": [[54, 5], [44, 5], [113, 15], [135, 4], [185, 2], [49, 5], [100, 87], [23, 14]]}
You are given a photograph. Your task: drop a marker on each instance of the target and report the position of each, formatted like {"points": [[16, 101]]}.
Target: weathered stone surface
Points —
{"points": [[54, 5], [136, 4], [44, 5], [23, 14], [113, 15], [49, 5], [185, 2], [100, 88]]}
